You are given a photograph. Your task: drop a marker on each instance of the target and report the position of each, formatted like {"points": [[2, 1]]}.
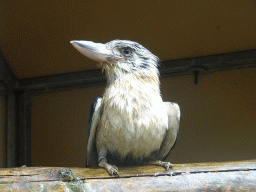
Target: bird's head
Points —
{"points": [[120, 58]]}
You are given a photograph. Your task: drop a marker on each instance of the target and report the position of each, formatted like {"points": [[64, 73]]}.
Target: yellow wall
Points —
{"points": [[217, 120], [2, 132]]}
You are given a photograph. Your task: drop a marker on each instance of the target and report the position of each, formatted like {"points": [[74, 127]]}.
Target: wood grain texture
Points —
{"points": [[225, 176]]}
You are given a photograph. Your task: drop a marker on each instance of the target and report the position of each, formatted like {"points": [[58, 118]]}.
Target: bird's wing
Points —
{"points": [[94, 118], [172, 132]]}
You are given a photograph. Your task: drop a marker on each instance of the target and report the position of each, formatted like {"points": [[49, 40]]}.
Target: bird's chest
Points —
{"points": [[133, 122]]}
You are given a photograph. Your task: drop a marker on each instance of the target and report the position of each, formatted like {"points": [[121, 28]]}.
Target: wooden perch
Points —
{"points": [[226, 176]]}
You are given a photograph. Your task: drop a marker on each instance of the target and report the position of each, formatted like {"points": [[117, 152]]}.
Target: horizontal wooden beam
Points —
{"points": [[209, 64], [199, 65], [63, 81], [225, 176]]}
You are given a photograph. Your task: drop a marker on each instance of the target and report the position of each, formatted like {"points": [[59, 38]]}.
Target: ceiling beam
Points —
{"points": [[197, 65], [209, 64]]}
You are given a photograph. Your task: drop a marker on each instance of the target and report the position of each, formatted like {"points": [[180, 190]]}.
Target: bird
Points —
{"points": [[130, 124]]}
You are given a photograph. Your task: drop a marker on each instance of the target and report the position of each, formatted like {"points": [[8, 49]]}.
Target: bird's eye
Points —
{"points": [[127, 52]]}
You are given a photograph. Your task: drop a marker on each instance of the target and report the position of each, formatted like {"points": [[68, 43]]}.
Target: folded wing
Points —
{"points": [[172, 132], [94, 118]]}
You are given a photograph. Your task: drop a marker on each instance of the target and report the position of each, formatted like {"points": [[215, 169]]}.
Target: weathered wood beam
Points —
{"points": [[225, 176]]}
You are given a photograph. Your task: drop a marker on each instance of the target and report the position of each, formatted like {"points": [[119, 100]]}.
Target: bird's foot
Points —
{"points": [[164, 164], [112, 169]]}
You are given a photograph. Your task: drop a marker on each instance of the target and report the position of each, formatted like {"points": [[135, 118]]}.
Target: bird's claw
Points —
{"points": [[167, 165], [164, 164], [113, 170]]}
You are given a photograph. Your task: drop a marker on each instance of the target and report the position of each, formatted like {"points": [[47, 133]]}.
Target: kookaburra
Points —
{"points": [[130, 124]]}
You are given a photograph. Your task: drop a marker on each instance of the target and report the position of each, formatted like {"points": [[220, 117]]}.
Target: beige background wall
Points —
{"points": [[2, 131], [217, 122]]}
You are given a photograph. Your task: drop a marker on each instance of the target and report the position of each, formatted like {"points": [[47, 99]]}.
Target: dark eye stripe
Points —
{"points": [[145, 58], [133, 64], [144, 66]]}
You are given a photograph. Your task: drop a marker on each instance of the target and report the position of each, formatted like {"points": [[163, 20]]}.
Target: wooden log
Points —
{"points": [[225, 176]]}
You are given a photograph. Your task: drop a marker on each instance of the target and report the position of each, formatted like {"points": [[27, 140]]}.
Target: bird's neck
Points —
{"points": [[140, 89], [115, 74]]}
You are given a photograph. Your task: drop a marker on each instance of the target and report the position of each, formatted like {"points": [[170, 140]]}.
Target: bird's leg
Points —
{"points": [[164, 164], [112, 169], [102, 153]]}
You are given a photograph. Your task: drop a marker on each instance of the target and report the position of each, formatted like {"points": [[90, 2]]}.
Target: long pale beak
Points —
{"points": [[96, 51]]}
